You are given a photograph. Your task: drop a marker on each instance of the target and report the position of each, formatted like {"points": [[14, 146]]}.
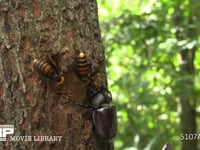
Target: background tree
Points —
{"points": [[36, 105], [153, 62], [187, 69]]}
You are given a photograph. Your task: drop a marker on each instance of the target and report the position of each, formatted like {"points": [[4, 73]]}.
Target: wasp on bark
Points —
{"points": [[48, 69], [83, 66]]}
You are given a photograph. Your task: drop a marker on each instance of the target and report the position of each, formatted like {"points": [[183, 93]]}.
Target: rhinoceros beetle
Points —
{"points": [[105, 122], [104, 115]]}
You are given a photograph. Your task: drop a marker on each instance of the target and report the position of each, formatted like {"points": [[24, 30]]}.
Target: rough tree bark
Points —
{"points": [[34, 104]]}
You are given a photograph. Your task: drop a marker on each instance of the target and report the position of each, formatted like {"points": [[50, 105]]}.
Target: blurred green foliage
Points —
{"points": [[142, 54]]}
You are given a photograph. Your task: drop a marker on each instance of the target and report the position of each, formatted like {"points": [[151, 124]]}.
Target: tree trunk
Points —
{"points": [[34, 103], [187, 72]]}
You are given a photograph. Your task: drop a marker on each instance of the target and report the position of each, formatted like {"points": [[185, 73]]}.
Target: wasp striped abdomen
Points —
{"points": [[83, 65], [48, 70]]}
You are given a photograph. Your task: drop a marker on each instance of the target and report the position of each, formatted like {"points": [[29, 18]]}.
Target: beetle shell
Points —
{"points": [[98, 99], [105, 122]]}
